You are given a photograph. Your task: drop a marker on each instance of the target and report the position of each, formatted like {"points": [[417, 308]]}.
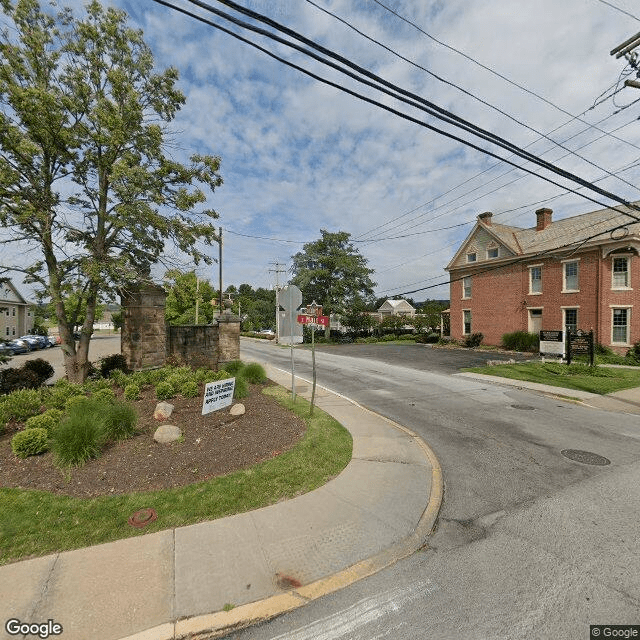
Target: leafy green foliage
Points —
{"points": [[183, 289], [21, 404], [104, 395], [521, 341], [332, 272], [234, 367], [30, 442], [76, 401], [114, 362], [254, 373], [57, 396], [241, 389], [165, 390], [83, 100], [190, 389], [49, 420], [79, 436], [132, 391], [474, 340], [40, 367]]}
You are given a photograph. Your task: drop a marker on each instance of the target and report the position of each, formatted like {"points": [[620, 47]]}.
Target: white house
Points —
{"points": [[396, 308]]}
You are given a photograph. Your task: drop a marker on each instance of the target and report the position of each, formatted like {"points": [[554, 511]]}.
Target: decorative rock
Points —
{"points": [[237, 410], [167, 433], [163, 411]]}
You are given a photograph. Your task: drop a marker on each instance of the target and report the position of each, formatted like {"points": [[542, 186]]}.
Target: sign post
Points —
{"points": [[552, 344], [580, 342], [217, 395], [290, 297]]}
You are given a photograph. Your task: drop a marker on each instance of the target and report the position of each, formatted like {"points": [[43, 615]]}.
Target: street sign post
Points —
{"points": [[290, 298]]}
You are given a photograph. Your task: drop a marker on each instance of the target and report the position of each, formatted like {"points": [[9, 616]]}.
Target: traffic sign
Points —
{"points": [[321, 320]]}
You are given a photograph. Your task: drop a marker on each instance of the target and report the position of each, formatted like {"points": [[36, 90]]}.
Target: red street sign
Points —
{"points": [[321, 320]]}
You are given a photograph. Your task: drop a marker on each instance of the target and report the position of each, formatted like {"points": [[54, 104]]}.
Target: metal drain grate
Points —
{"points": [[585, 457]]}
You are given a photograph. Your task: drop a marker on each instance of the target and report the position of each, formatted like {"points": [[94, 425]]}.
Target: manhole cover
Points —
{"points": [[142, 518], [585, 457], [522, 407]]}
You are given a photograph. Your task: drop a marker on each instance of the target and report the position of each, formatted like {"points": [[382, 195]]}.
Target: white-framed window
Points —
{"points": [[492, 252], [570, 319], [472, 257], [620, 322], [466, 287], [466, 322], [620, 272], [535, 279], [570, 274]]}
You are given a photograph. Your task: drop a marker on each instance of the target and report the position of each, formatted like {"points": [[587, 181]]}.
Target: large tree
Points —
{"points": [[332, 272], [85, 183], [185, 292]]}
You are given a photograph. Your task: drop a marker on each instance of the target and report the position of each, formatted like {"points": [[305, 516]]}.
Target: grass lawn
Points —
{"points": [[575, 376], [35, 523]]}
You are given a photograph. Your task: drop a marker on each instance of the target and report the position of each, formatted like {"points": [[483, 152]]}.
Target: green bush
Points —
{"points": [[81, 434], [254, 373], [132, 391], [389, 337], [234, 367], [242, 388], [114, 362], [57, 396], [190, 389], [120, 421], [521, 341], [30, 442], [474, 340], [40, 367], [158, 375], [633, 354], [165, 390], [22, 404], [48, 420], [104, 395], [91, 386], [407, 336], [75, 401], [119, 377], [14, 379]]}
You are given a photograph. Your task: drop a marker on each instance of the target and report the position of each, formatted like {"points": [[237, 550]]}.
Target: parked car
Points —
{"points": [[53, 341], [19, 346], [268, 332], [43, 341], [5, 349], [33, 342]]}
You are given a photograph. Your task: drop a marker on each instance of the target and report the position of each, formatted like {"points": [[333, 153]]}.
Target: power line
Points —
{"points": [[459, 88], [613, 6], [485, 67]]}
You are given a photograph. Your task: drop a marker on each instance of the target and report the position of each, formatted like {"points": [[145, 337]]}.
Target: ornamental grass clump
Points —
{"points": [[234, 367], [120, 421], [57, 396], [241, 389], [254, 373], [30, 442], [80, 435]]}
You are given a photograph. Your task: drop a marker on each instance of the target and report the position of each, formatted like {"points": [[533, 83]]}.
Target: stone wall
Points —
{"points": [[147, 341]]}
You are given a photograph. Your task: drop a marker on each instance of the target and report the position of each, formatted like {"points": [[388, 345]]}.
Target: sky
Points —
{"points": [[299, 156]]}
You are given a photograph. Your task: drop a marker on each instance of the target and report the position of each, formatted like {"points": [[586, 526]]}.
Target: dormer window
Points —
{"points": [[472, 257], [492, 253]]}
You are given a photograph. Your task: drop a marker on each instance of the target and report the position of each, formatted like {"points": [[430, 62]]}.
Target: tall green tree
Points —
{"points": [[84, 178], [332, 272], [185, 292]]}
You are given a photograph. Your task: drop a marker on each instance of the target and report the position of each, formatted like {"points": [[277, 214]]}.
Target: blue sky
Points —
{"points": [[298, 156]]}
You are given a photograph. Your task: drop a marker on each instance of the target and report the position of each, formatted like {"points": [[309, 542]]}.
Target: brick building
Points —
{"points": [[505, 279]]}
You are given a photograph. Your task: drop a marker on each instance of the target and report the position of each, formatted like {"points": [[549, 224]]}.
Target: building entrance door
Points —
{"points": [[535, 320]]}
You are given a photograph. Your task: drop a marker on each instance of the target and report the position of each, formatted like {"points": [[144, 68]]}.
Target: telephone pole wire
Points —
{"points": [[277, 270]]}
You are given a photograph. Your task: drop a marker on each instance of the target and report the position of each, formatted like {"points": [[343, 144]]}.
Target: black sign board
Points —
{"points": [[551, 336], [578, 343]]}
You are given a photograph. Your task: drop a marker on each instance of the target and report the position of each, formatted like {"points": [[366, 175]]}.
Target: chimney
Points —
{"points": [[486, 218], [543, 219]]}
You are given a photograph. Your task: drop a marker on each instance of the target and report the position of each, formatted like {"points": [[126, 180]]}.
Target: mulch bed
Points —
{"points": [[214, 444]]}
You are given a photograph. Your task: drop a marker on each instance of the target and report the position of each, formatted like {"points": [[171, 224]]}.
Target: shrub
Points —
{"points": [[91, 386], [634, 353], [158, 375], [40, 367], [114, 362], [389, 337], [428, 338], [104, 395], [242, 388], [234, 367], [190, 389], [254, 373], [521, 341], [48, 420], [132, 391], [120, 421], [57, 396], [119, 377], [22, 404], [75, 401], [30, 442], [14, 379], [165, 390], [80, 435], [474, 340], [407, 336]]}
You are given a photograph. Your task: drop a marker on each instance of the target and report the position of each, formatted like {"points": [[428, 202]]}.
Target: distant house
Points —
{"points": [[16, 314], [576, 273], [396, 308]]}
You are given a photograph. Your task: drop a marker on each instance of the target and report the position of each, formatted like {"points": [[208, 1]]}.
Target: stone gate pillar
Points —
{"points": [[143, 339], [228, 338]]}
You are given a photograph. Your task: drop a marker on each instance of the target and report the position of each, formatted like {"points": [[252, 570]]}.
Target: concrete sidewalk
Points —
{"points": [[259, 564], [627, 401]]}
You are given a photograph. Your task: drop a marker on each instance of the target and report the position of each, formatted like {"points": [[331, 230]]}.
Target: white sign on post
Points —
{"points": [[218, 394]]}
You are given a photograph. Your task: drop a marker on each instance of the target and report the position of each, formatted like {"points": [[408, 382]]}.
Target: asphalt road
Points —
{"points": [[529, 544]]}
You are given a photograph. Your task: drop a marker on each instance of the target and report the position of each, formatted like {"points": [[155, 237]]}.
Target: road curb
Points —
{"points": [[221, 623]]}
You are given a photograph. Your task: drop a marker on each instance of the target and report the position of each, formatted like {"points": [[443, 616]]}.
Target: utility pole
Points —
{"points": [[220, 265], [628, 50], [197, 296], [277, 271]]}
